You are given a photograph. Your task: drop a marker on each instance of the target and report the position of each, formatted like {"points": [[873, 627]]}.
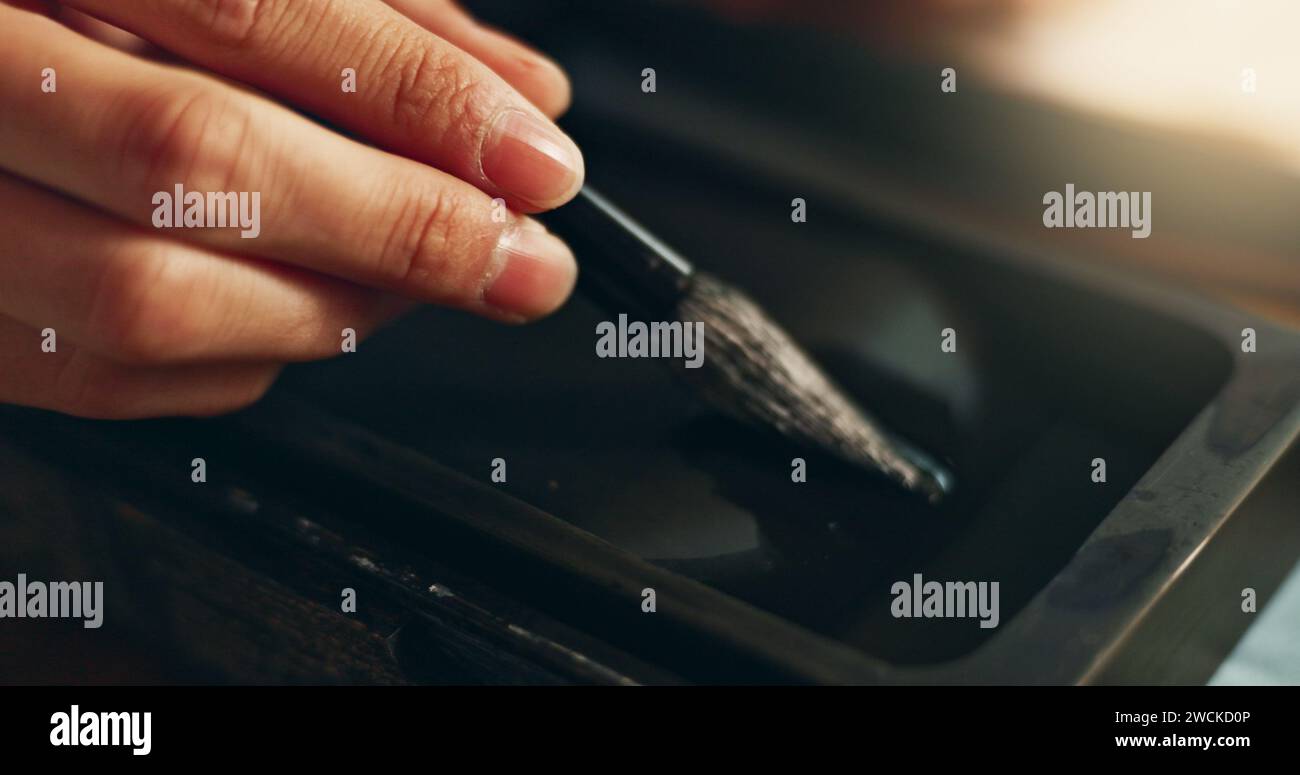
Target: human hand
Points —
{"points": [[106, 313]]}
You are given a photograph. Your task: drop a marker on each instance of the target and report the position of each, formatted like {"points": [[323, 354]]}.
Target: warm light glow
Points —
{"points": [[1172, 62]]}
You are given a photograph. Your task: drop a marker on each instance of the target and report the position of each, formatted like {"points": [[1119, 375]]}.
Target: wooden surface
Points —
{"points": [[233, 589]]}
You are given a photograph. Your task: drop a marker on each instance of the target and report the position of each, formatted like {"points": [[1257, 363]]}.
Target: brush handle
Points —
{"points": [[623, 266]]}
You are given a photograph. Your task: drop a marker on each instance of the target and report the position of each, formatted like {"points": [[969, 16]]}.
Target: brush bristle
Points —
{"points": [[755, 372]]}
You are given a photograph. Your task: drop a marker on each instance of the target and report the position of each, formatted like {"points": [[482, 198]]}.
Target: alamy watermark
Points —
{"points": [[659, 339], [949, 600], [1101, 210], [53, 600], [100, 728], [214, 210]]}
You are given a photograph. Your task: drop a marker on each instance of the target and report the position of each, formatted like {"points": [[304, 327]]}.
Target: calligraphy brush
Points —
{"points": [[753, 370]]}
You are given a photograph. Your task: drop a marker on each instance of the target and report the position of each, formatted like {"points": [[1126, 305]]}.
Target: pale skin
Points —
{"points": [[383, 202]]}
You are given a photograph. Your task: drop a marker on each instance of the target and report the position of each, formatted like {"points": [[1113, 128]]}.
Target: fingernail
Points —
{"points": [[530, 159], [536, 276]]}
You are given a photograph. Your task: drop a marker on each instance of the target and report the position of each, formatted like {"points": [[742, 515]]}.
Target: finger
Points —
{"points": [[135, 296], [48, 8], [104, 33], [123, 134], [416, 94], [74, 381], [536, 77]]}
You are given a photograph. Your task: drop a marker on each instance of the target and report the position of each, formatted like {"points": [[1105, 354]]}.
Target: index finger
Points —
{"points": [[413, 93]]}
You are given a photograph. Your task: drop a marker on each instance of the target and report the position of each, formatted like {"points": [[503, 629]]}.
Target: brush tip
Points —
{"points": [[756, 372], [934, 481]]}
